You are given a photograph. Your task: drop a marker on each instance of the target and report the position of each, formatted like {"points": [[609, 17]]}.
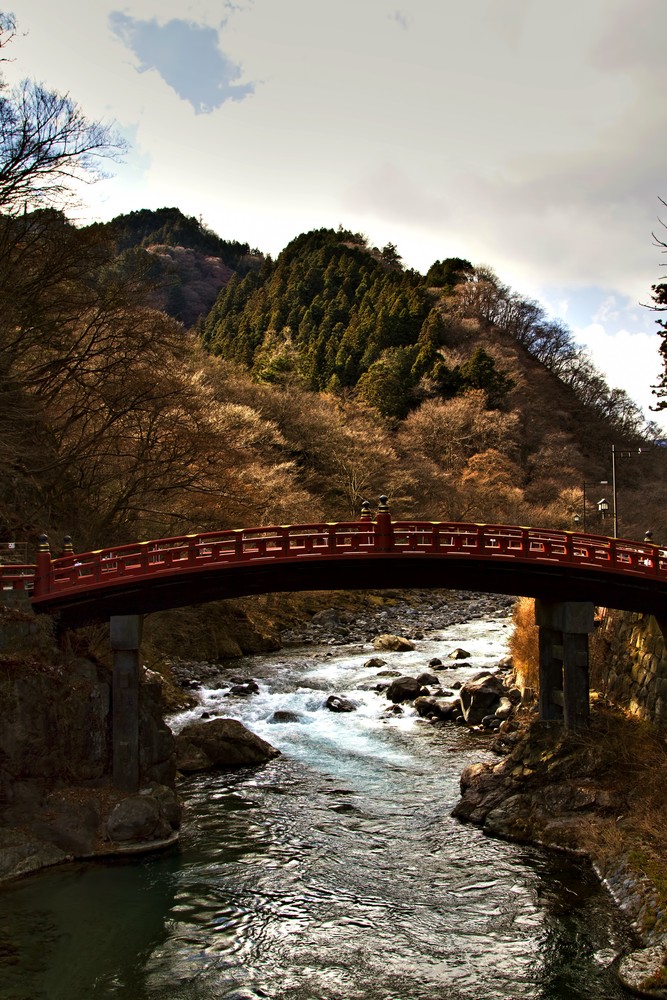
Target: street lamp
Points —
{"points": [[603, 509], [600, 482]]}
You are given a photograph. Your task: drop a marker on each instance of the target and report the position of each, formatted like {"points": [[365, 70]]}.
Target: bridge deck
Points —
{"points": [[172, 572]]}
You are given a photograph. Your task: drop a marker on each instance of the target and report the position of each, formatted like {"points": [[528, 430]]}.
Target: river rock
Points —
{"points": [[375, 662], [22, 852], [504, 709], [328, 617], [481, 696], [427, 678], [405, 689], [435, 661], [282, 715], [491, 722], [169, 804], [137, 818], [441, 707], [245, 688], [71, 825], [459, 654], [220, 743], [395, 643], [641, 966], [337, 704]]}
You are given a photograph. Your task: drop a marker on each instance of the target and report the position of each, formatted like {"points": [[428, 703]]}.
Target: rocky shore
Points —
{"points": [[57, 802], [583, 794], [410, 614]]}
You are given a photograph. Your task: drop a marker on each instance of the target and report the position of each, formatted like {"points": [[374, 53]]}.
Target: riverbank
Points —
{"points": [[597, 794]]}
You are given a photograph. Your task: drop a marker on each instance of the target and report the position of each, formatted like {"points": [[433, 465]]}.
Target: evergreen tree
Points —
{"points": [[480, 372], [447, 273]]}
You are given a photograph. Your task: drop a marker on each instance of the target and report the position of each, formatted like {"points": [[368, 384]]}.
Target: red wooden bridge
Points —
{"points": [[171, 572], [568, 573]]}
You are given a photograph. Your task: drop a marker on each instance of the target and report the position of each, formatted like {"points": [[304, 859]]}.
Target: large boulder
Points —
{"points": [[337, 704], [405, 689], [152, 815], [395, 643], [438, 706], [481, 696], [137, 818], [220, 743]]}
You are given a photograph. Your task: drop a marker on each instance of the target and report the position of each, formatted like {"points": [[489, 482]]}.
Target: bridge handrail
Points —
{"points": [[345, 539], [16, 576]]}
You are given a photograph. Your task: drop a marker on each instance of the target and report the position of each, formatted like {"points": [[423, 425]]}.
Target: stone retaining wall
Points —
{"points": [[629, 664]]}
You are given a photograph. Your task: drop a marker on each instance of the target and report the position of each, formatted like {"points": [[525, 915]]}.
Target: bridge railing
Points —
{"points": [[507, 541], [345, 539], [16, 577], [209, 548]]}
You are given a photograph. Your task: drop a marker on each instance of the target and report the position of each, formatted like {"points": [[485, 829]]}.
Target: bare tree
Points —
{"points": [[46, 146]]}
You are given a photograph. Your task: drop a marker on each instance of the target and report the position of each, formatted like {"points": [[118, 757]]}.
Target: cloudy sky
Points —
{"points": [[522, 134]]}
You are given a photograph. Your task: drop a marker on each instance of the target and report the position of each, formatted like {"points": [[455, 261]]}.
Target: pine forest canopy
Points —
{"points": [[340, 315]]}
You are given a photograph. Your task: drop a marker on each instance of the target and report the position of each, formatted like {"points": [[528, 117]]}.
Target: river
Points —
{"points": [[333, 873]]}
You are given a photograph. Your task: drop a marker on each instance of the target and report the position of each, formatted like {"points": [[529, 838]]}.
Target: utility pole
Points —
{"points": [[627, 453], [613, 487]]}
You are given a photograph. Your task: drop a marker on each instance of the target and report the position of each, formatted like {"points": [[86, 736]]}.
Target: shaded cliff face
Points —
{"points": [[56, 796], [55, 727]]}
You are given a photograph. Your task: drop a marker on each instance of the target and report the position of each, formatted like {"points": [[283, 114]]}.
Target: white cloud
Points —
{"points": [[629, 361], [608, 310]]}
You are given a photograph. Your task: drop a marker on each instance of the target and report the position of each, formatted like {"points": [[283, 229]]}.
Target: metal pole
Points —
{"points": [[613, 487], [584, 506]]}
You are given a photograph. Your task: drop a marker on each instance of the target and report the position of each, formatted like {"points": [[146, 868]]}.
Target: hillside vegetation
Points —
{"points": [[316, 381]]}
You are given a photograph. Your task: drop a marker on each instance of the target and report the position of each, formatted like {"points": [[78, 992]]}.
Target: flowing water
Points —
{"points": [[335, 872]]}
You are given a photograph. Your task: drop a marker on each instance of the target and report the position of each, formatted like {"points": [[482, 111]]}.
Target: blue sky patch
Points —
{"points": [[187, 57]]}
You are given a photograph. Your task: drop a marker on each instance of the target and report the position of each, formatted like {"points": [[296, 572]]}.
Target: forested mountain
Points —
{"points": [[505, 412], [341, 376], [339, 314], [336, 314], [182, 262]]}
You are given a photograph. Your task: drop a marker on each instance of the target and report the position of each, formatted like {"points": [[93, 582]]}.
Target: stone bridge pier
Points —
{"points": [[564, 627], [125, 640]]}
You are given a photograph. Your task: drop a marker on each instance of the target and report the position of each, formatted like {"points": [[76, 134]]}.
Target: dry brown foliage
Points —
{"points": [[524, 647]]}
